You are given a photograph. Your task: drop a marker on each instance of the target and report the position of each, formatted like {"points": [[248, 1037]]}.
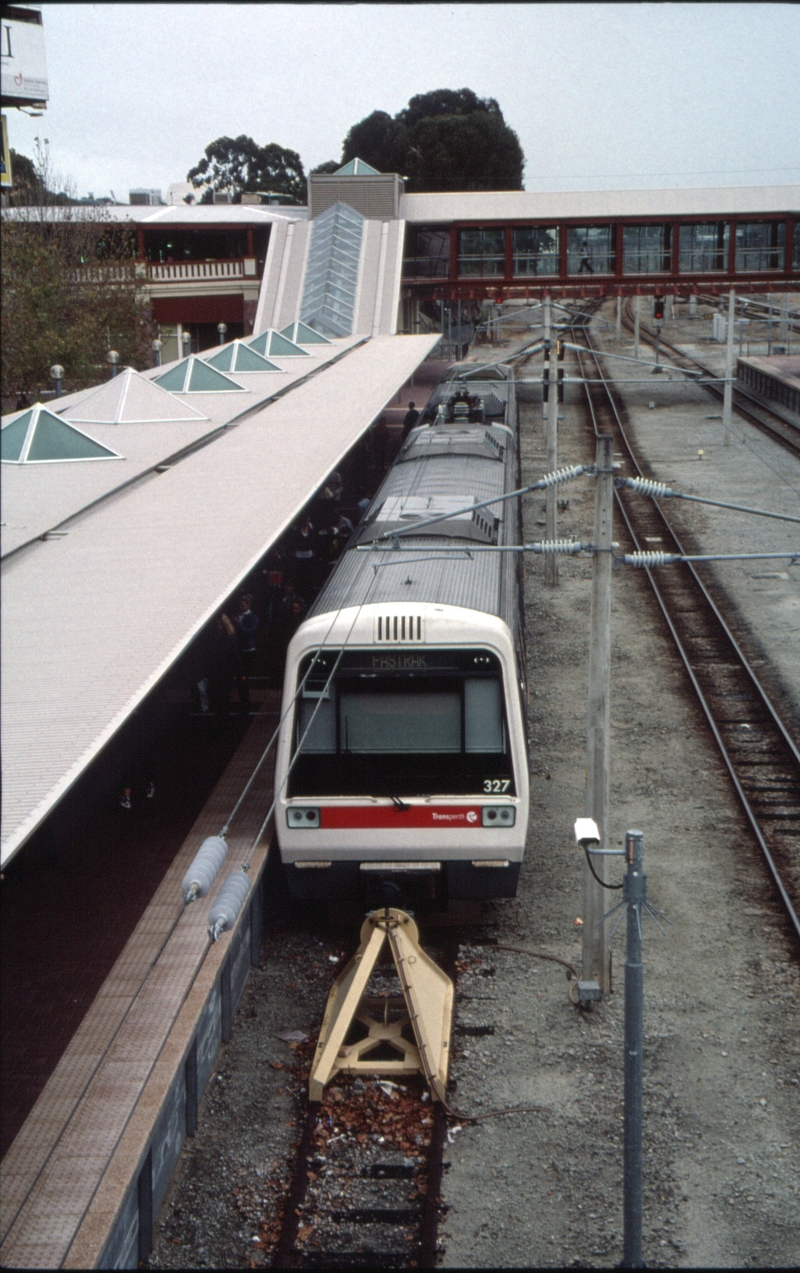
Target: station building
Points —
{"points": [[134, 511]]}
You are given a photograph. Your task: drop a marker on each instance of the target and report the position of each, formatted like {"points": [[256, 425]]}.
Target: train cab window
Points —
{"points": [[590, 249], [759, 246], [395, 724]]}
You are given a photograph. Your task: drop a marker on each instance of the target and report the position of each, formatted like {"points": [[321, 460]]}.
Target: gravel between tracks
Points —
{"points": [[722, 1033]]}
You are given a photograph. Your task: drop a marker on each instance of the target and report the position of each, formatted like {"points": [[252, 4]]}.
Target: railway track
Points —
{"points": [[762, 758], [750, 408], [366, 1186]]}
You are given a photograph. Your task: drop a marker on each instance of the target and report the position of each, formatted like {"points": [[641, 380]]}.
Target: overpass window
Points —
{"points": [[796, 247], [590, 249], [703, 247], [646, 249], [535, 250], [481, 253], [427, 252], [759, 246]]}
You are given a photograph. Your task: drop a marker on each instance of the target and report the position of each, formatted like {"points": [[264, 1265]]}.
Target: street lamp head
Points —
{"points": [[158, 344], [222, 328], [113, 357], [57, 371]]}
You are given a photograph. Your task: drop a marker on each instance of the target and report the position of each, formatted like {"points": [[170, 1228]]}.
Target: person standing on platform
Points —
{"points": [[225, 671], [409, 420], [303, 557], [586, 264], [246, 626]]}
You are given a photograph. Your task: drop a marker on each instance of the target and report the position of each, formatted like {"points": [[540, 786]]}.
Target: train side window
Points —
{"points": [[483, 716], [322, 735]]}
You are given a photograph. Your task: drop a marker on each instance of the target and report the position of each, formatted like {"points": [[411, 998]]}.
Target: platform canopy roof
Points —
{"points": [[164, 553], [38, 497]]}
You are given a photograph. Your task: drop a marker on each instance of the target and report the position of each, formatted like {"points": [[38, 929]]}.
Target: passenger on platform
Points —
{"points": [[302, 554], [409, 420], [246, 625], [225, 671], [274, 572], [586, 264], [380, 441], [361, 507], [136, 745]]}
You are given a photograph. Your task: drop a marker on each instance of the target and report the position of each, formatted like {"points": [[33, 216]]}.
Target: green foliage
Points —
{"points": [[330, 166], [240, 164], [70, 293], [448, 139]]}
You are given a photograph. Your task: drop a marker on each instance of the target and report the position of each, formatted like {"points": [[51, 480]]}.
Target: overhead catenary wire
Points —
{"points": [[659, 490]]}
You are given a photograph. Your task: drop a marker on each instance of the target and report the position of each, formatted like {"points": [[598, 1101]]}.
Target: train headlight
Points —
{"points": [[498, 815], [302, 818]]}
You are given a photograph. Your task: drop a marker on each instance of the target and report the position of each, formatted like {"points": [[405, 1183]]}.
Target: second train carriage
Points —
{"points": [[403, 753]]}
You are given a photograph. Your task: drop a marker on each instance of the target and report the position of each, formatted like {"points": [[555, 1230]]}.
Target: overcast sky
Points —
{"points": [[601, 96]]}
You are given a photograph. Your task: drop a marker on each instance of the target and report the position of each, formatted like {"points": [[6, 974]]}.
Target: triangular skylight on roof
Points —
{"points": [[193, 375], [302, 334], [356, 168], [237, 356], [39, 437], [276, 345], [131, 399]]}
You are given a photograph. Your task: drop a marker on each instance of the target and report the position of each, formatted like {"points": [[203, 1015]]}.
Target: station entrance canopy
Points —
{"points": [[159, 559]]}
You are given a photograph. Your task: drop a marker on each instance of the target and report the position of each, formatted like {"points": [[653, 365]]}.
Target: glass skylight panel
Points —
{"points": [[356, 168], [39, 437], [192, 375], [303, 335], [329, 293], [13, 437]]}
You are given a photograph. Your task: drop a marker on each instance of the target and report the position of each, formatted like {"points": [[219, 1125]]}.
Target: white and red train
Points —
{"points": [[403, 752]]}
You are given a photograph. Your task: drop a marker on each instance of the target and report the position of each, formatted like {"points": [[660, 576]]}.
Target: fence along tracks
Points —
{"points": [[762, 758], [756, 412]]}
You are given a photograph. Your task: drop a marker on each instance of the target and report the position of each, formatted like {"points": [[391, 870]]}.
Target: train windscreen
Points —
{"points": [[398, 723]]}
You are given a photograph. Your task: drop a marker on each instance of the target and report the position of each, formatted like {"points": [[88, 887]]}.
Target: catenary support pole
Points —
{"points": [[619, 317], [551, 494], [636, 326], [635, 896], [594, 951], [727, 399]]}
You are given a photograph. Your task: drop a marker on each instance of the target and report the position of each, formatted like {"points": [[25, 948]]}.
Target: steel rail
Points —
{"points": [[757, 689], [775, 426]]}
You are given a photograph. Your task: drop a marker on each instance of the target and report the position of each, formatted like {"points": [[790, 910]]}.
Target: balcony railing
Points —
{"points": [[189, 271]]}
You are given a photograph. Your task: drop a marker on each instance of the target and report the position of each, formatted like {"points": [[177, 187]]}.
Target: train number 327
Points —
{"points": [[496, 785]]}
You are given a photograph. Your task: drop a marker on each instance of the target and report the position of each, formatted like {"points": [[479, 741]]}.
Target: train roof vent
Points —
{"points": [[400, 512], [399, 629], [453, 439]]}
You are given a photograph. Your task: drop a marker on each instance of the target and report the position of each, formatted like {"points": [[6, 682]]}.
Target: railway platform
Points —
{"points": [[93, 1157]]}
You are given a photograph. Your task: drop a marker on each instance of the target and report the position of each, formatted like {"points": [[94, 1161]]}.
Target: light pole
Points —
{"points": [[57, 372], [187, 344], [222, 329], [113, 358], [157, 346]]}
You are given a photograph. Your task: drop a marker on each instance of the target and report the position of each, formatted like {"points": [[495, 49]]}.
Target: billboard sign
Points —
{"points": [[24, 70]]}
